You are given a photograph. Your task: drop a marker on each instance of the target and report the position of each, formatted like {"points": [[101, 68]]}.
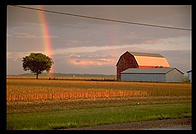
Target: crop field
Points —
{"points": [[60, 104]]}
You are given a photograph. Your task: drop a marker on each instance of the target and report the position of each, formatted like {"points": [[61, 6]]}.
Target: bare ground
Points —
{"points": [[143, 125]]}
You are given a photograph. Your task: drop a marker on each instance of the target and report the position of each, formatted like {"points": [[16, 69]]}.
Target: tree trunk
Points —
{"points": [[37, 75]]}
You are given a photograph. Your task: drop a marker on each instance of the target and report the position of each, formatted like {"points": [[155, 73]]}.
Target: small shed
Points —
{"points": [[153, 75], [190, 75]]}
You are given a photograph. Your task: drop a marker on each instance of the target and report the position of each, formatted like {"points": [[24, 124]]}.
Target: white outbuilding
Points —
{"points": [[153, 75]]}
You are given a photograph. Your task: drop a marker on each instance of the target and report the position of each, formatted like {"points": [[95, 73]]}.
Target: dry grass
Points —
{"points": [[90, 94], [41, 90]]}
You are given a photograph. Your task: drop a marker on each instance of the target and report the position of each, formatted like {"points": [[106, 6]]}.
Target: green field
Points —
{"points": [[59, 104]]}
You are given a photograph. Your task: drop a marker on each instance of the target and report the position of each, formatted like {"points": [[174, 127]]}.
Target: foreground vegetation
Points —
{"points": [[56, 104]]}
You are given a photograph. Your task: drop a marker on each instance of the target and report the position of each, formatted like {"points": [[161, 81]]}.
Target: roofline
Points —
{"points": [[189, 71], [155, 72], [121, 56], [178, 70], [147, 54]]}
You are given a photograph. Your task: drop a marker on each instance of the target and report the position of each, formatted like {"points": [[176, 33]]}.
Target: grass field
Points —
{"points": [[56, 104]]}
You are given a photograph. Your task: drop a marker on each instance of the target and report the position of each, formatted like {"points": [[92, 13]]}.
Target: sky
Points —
{"points": [[87, 46]]}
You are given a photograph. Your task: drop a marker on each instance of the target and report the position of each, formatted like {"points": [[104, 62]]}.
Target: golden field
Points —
{"points": [[43, 89]]}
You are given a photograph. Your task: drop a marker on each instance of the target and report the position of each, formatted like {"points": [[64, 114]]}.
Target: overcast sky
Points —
{"points": [[81, 45]]}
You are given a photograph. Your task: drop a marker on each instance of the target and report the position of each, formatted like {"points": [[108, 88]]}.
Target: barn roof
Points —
{"points": [[148, 71], [150, 59], [145, 54]]}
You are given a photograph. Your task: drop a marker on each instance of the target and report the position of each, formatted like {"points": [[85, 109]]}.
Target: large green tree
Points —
{"points": [[37, 63]]}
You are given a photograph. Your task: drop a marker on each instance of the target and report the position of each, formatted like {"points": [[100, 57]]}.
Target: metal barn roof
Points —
{"points": [[148, 71], [145, 54], [150, 59]]}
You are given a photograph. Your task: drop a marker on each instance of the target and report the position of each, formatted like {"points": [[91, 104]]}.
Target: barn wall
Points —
{"points": [[126, 61], [174, 76], [143, 77]]}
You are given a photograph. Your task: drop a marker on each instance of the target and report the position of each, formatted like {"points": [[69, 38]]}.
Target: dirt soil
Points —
{"points": [[140, 125]]}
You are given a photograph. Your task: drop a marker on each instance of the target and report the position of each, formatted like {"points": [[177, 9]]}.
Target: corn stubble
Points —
{"points": [[44, 90]]}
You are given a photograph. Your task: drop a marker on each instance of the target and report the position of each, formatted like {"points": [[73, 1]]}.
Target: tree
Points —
{"points": [[37, 63]]}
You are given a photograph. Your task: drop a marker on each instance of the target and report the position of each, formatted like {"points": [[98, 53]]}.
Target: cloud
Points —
{"points": [[86, 63], [93, 62], [155, 41], [29, 35], [92, 35], [91, 49], [18, 55], [84, 45]]}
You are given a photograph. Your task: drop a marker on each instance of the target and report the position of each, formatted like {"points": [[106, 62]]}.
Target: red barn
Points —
{"points": [[140, 60]]}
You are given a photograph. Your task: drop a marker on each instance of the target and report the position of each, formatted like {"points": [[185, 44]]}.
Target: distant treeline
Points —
{"points": [[63, 74]]}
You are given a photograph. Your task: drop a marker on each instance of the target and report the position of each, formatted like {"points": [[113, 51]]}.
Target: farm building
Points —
{"points": [[190, 75], [140, 60], [153, 75]]}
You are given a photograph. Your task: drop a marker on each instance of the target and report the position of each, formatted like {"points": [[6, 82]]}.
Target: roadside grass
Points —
{"points": [[92, 116], [23, 106]]}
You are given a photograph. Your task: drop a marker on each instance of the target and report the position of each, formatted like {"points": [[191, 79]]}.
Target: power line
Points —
{"points": [[104, 19]]}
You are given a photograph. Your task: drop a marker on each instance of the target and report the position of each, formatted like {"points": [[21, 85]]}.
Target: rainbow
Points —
{"points": [[46, 39]]}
